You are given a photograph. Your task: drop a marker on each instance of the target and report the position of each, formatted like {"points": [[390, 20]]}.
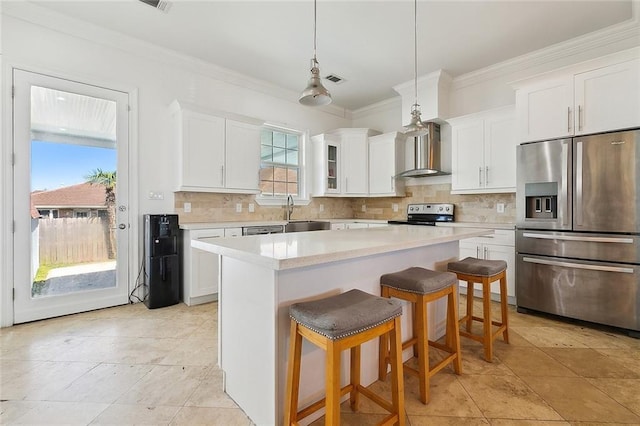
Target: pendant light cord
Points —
{"points": [[315, 32], [415, 50]]}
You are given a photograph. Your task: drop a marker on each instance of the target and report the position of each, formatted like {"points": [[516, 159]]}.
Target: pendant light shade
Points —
{"points": [[315, 94], [416, 127]]}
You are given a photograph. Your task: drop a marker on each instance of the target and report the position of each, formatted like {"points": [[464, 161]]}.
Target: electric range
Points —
{"points": [[426, 214]]}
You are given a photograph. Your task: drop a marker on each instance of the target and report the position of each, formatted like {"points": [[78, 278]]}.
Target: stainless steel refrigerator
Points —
{"points": [[578, 228]]}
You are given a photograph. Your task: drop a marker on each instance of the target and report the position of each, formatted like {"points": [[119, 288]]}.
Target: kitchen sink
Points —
{"points": [[306, 225]]}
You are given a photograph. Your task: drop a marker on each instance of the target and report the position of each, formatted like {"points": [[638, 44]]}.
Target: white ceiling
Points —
{"points": [[369, 43]]}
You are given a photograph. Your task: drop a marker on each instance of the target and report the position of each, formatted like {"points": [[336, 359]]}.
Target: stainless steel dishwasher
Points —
{"points": [[262, 230]]}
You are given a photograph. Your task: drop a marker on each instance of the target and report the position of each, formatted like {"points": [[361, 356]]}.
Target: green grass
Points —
{"points": [[43, 270]]}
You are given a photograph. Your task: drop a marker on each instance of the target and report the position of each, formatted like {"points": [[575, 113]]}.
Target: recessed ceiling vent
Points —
{"points": [[162, 5], [335, 79]]}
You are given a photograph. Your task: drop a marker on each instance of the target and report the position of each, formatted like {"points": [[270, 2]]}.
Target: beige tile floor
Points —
{"points": [[130, 365]]}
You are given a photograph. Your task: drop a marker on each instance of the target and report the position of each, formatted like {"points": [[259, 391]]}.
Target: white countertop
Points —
{"points": [[492, 225], [300, 249]]}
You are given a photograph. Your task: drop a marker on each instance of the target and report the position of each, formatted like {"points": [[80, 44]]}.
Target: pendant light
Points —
{"points": [[315, 94], [416, 127]]}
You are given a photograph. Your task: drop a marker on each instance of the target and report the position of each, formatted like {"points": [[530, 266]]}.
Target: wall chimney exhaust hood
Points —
{"points": [[426, 151], [433, 97]]}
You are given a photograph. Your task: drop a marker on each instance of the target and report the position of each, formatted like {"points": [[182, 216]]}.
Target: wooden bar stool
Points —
{"points": [[484, 272], [335, 324], [421, 286]]}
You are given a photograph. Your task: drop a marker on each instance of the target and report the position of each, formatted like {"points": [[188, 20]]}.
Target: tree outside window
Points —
{"points": [[280, 163]]}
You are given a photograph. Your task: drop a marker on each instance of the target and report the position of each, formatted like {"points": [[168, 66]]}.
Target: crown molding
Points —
{"points": [[382, 106], [53, 21], [628, 30]]}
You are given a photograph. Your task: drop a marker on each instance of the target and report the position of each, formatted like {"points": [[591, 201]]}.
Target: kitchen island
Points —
{"points": [[260, 276]]}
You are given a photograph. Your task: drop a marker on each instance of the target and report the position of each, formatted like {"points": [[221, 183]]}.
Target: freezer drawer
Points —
{"points": [[579, 245], [600, 292]]}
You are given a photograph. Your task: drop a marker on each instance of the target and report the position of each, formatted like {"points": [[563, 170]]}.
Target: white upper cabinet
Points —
{"points": [[242, 156], [484, 152], [341, 160], [608, 98], [579, 101], [386, 160], [215, 153]]}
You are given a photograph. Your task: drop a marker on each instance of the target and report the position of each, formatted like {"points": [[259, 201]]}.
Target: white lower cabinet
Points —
{"points": [[499, 246], [200, 268]]}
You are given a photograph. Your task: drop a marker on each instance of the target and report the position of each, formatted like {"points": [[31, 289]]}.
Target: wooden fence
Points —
{"points": [[73, 240]]}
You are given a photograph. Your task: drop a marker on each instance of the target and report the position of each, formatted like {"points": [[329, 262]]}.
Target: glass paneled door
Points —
{"points": [[70, 197]]}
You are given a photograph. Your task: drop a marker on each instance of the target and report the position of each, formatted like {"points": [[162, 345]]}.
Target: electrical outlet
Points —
{"points": [[239, 208], [395, 207], [156, 195], [252, 207], [187, 207], [500, 207], [321, 208]]}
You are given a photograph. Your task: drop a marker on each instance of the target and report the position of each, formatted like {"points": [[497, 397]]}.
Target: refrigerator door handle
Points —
{"points": [[163, 268], [578, 204], [590, 267], [564, 184], [574, 238]]}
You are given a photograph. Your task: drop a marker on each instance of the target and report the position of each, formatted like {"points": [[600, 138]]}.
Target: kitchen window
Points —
{"points": [[280, 163]]}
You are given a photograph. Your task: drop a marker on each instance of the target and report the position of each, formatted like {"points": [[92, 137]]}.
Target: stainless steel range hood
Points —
{"points": [[426, 154]]}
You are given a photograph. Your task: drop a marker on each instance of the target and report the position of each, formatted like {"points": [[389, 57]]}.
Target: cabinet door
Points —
{"points": [[203, 266], [467, 161], [202, 150], [382, 156], [608, 98], [545, 110], [500, 152], [334, 171], [508, 254], [355, 164], [242, 148]]}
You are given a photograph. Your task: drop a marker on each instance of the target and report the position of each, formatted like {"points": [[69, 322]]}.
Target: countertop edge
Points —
{"points": [[214, 246]]}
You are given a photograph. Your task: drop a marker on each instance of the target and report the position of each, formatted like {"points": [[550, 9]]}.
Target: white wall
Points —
{"points": [[39, 40]]}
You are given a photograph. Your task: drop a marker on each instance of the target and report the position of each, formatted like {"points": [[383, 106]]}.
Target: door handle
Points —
{"points": [[572, 238], [579, 117], [486, 252], [486, 175], [578, 175], [122, 226], [568, 119], [479, 176], [589, 267]]}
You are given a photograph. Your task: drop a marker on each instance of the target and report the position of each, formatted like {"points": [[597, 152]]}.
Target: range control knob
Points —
{"points": [[448, 208]]}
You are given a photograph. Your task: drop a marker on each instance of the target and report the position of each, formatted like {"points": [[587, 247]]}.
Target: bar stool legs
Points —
{"points": [[488, 333], [351, 339], [426, 281]]}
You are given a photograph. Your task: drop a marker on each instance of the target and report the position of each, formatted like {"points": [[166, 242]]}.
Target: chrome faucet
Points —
{"points": [[289, 206]]}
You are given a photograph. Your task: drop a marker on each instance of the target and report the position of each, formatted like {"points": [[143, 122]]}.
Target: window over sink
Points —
{"points": [[280, 162]]}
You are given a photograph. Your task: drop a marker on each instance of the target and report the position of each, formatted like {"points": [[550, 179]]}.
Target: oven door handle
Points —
{"points": [[590, 267], [574, 238]]}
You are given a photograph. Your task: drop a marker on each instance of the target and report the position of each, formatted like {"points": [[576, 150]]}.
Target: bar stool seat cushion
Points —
{"points": [[419, 280], [345, 314], [479, 267]]}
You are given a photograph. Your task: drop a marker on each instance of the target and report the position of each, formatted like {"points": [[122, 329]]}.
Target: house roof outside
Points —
{"points": [[82, 195]]}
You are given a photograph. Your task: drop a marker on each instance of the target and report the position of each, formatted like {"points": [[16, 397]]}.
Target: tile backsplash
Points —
{"points": [[213, 207]]}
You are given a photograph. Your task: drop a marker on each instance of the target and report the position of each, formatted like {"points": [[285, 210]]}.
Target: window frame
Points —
{"points": [[303, 170]]}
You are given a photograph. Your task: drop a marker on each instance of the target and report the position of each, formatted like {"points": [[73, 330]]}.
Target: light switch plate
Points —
{"points": [[239, 208], [500, 207], [364, 207], [187, 207], [252, 207], [321, 208], [156, 195], [395, 207]]}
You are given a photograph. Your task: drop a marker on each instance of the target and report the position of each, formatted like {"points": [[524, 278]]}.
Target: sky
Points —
{"points": [[54, 165]]}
